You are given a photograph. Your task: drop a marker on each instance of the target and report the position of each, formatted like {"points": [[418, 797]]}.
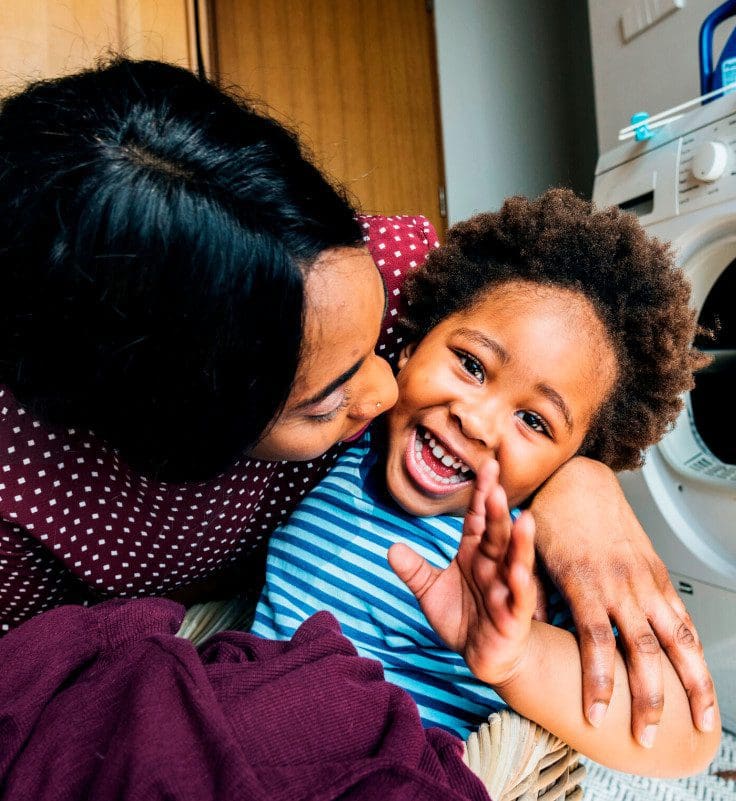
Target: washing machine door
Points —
{"points": [[691, 473]]}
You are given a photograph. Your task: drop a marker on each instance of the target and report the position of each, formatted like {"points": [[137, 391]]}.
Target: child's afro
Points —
{"points": [[631, 279]]}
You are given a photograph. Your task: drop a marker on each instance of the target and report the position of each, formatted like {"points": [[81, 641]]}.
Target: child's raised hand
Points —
{"points": [[482, 604]]}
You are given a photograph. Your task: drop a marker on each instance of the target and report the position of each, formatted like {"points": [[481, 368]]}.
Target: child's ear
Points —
{"points": [[405, 354]]}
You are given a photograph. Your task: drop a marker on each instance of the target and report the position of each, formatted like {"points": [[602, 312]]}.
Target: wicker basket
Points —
{"points": [[518, 760], [203, 620]]}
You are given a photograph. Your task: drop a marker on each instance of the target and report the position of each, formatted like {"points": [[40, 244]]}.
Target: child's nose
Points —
{"points": [[378, 391], [481, 422]]}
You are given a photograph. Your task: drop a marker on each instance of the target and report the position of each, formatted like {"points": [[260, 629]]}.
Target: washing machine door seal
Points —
{"points": [[694, 490]]}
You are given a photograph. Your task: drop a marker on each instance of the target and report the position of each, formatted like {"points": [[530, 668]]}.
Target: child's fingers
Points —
{"points": [[520, 561], [495, 541], [414, 570], [475, 518], [521, 546]]}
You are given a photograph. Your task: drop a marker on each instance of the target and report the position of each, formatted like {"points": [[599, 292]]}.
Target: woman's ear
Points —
{"points": [[405, 354]]}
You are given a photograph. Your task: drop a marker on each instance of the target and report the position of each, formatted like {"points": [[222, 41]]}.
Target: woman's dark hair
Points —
{"points": [[631, 280], [154, 235]]}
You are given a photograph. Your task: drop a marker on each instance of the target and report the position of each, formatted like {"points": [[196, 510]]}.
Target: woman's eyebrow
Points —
{"points": [[331, 387]]}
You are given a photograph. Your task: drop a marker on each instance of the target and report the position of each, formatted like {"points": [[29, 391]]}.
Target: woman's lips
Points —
{"points": [[427, 479], [358, 435]]}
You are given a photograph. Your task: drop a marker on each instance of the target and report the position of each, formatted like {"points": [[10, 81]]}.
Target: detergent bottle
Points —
{"points": [[725, 70]]}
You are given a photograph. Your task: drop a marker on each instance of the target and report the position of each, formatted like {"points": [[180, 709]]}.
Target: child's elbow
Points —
{"points": [[705, 748], [695, 753]]}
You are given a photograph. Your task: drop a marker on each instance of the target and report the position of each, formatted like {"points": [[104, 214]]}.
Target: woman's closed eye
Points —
{"points": [[333, 406], [471, 365], [535, 422]]}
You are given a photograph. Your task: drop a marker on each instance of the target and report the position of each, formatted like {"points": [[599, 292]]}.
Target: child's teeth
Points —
{"points": [[437, 451], [447, 460], [464, 468]]}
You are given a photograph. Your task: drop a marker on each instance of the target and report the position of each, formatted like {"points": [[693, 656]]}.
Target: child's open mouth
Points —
{"points": [[433, 466]]}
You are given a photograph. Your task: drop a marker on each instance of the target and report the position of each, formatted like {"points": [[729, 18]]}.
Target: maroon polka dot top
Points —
{"points": [[77, 523]]}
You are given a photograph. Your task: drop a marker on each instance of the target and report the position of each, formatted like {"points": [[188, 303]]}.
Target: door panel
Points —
{"points": [[46, 38], [356, 78]]}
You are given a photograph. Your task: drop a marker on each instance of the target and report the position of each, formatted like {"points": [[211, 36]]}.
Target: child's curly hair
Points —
{"points": [[631, 279]]}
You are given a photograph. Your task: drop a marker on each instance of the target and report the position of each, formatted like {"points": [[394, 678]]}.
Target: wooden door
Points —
{"points": [[46, 38], [356, 78]]}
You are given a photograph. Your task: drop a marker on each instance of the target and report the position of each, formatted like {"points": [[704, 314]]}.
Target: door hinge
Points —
{"points": [[429, 5], [443, 202]]}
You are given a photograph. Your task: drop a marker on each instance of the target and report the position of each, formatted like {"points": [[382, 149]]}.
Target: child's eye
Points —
{"points": [[535, 422], [471, 366]]}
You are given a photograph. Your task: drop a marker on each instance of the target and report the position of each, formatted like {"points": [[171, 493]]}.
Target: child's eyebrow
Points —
{"points": [[557, 400], [484, 341]]}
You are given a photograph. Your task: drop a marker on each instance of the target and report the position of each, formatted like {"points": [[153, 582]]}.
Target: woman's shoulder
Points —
{"points": [[398, 245], [399, 241]]}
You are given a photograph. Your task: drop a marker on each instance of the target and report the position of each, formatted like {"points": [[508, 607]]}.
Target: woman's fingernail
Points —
{"points": [[709, 719], [648, 735], [596, 713]]}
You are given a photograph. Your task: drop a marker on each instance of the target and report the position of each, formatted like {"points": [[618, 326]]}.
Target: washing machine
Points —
{"points": [[682, 185]]}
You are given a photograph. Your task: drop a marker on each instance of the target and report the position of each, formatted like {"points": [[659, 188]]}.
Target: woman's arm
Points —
{"points": [[606, 569], [481, 605], [547, 688]]}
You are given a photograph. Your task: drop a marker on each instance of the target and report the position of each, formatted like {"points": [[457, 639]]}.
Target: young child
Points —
{"points": [[545, 330]]}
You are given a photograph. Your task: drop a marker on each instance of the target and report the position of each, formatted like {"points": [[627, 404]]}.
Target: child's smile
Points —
{"points": [[433, 465], [518, 377]]}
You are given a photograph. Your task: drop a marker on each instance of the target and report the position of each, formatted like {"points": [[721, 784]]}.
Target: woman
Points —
{"points": [[178, 279]]}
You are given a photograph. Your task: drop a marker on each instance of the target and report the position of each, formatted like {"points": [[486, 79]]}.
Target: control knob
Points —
{"points": [[710, 161]]}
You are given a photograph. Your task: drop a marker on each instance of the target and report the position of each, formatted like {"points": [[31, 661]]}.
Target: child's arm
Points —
{"points": [[481, 606]]}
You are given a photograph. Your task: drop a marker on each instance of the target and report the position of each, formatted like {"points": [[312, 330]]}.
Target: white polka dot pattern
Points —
{"points": [[73, 515]]}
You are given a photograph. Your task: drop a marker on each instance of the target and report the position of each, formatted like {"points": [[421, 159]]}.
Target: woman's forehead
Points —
{"points": [[344, 301]]}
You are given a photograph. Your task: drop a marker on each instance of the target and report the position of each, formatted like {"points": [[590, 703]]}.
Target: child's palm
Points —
{"points": [[481, 605]]}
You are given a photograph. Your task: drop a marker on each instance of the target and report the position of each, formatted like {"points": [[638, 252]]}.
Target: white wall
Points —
{"points": [[515, 99], [654, 71]]}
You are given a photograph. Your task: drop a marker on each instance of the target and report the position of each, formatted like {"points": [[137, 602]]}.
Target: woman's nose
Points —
{"points": [[378, 391]]}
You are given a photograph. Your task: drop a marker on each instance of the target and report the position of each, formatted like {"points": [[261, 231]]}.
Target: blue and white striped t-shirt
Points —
{"points": [[332, 555]]}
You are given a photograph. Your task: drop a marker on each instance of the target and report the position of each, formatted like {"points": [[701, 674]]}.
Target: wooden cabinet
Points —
{"points": [[44, 38], [356, 78]]}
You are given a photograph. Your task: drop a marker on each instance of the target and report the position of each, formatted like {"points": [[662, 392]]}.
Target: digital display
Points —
{"points": [[639, 205]]}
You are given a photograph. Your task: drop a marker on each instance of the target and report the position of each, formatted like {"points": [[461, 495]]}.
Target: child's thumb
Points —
{"points": [[414, 570]]}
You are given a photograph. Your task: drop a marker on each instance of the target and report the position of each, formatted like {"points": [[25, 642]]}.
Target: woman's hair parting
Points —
{"points": [[154, 238], [630, 278]]}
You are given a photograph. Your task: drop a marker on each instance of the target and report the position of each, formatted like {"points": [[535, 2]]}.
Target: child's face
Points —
{"points": [[519, 377]]}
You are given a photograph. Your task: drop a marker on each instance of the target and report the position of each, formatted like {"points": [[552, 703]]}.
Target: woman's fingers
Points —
{"points": [[597, 655], [644, 666], [680, 643]]}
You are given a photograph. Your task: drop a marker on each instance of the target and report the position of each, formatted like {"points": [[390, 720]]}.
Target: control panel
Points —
{"points": [[707, 165]]}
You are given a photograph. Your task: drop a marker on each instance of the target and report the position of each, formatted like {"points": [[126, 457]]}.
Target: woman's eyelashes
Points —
{"points": [[326, 417]]}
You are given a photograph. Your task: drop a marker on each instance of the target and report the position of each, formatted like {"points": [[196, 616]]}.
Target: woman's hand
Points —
{"points": [[607, 570]]}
